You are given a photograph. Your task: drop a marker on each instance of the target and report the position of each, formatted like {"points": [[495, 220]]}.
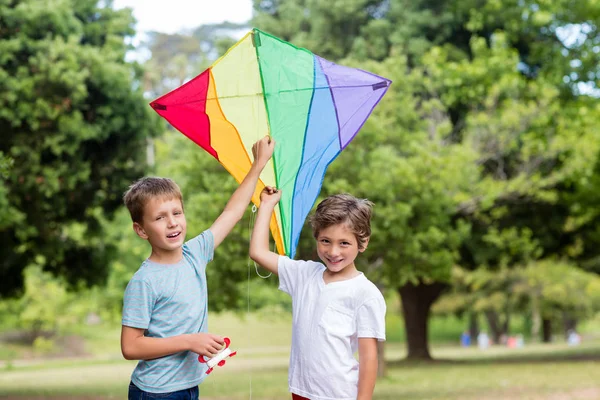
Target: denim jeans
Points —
{"points": [[135, 393]]}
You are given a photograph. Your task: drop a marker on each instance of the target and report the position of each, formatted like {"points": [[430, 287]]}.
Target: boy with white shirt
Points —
{"points": [[336, 309]]}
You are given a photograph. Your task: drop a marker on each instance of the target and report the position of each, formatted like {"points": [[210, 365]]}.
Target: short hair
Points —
{"points": [[344, 209], [145, 189]]}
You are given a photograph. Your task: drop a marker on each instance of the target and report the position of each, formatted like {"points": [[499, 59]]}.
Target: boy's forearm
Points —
{"points": [[366, 379], [148, 348], [243, 194], [367, 370], [259, 242]]}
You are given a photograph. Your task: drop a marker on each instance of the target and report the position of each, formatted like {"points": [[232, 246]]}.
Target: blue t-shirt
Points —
{"points": [[169, 300]]}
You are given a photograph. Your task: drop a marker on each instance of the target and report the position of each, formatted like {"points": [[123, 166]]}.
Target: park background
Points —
{"points": [[482, 161]]}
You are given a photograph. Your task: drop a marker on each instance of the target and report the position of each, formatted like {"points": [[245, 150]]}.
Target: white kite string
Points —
{"points": [[251, 222]]}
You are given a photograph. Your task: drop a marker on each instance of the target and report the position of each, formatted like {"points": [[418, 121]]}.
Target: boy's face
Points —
{"points": [[163, 225], [337, 247]]}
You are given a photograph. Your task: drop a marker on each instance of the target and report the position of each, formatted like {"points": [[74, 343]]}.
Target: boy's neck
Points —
{"points": [[166, 257], [346, 274]]}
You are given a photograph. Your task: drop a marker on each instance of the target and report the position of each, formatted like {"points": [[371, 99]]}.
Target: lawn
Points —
{"points": [[497, 375], [553, 371]]}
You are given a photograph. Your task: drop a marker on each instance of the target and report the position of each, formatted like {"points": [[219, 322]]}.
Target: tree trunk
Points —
{"points": [[494, 325], [506, 324], [473, 325], [380, 359], [416, 305], [546, 330]]}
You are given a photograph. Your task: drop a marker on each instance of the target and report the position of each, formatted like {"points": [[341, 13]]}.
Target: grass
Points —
{"points": [[535, 372], [471, 375]]}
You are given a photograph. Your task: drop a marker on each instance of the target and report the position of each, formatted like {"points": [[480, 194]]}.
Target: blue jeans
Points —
{"points": [[135, 393]]}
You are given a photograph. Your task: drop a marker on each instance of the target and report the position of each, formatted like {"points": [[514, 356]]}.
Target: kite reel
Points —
{"points": [[219, 359]]}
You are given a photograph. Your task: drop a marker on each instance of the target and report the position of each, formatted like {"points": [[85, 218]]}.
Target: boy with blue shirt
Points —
{"points": [[165, 304]]}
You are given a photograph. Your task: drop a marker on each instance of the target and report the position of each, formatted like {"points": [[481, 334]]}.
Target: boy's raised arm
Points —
{"points": [[236, 206], [259, 242]]}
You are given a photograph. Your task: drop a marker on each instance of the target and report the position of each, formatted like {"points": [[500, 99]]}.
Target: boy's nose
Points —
{"points": [[334, 251]]}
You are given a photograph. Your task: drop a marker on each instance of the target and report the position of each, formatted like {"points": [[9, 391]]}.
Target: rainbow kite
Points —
{"points": [[263, 85]]}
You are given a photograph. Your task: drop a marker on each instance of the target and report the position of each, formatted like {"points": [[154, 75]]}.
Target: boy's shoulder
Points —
{"points": [[367, 289], [145, 273], [201, 245]]}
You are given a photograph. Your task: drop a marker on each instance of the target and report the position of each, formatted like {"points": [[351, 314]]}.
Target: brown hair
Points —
{"points": [[144, 189], [344, 209]]}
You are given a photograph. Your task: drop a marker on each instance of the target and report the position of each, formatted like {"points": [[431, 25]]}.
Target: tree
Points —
{"points": [[75, 123], [486, 90], [8, 214], [558, 290]]}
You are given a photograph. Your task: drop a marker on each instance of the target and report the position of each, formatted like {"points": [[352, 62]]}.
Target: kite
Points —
{"points": [[262, 85]]}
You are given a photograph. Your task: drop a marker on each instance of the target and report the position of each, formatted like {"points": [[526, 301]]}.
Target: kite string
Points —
{"points": [[247, 318], [251, 222]]}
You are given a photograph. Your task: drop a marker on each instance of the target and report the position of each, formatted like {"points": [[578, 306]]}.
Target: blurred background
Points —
{"points": [[482, 161]]}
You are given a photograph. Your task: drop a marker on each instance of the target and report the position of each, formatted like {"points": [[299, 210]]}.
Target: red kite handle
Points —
{"points": [[227, 343]]}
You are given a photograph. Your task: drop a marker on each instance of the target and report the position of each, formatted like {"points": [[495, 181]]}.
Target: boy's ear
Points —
{"points": [[365, 244], [140, 230]]}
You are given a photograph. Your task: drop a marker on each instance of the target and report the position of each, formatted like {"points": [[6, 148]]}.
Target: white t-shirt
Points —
{"points": [[328, 319]]}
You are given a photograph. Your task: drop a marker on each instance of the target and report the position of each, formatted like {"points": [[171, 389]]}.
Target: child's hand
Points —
{"points": [[262, 151], [270, 196], [205, 344]]}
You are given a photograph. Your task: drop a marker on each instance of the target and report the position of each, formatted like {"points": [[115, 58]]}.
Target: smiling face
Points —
{"points": [[164, 226], [337, 247]]}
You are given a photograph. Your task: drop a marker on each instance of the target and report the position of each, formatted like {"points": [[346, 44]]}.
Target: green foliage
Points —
{"points": [[558, 287], [75, 124], [45, 309], [5, 165], [9, 215], [548, 289], [130, 252]]}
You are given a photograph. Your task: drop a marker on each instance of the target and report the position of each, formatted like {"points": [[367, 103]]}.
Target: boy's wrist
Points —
{"points": [[186, 342], [267, 207], [258, 166]]}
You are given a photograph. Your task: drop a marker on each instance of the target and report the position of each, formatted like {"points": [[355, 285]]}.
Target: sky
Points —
{"points": [[175, 15]]}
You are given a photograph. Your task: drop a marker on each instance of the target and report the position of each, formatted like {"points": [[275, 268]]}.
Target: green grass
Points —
{"points": [[532, 372], [498, 373]]}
